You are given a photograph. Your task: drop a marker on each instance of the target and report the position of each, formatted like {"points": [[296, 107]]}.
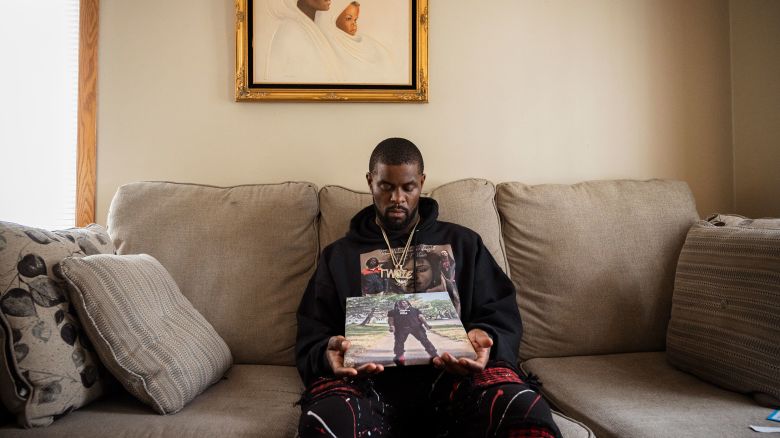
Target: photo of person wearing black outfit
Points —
{"points": [[372, 281], [405, 320]]}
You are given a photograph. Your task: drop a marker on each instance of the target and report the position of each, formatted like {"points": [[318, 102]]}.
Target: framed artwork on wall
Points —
{"points": [[332, 50]]}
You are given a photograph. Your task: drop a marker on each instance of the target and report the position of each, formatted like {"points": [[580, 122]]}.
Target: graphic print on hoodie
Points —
{"points": [[485, 295], [432, 269]]}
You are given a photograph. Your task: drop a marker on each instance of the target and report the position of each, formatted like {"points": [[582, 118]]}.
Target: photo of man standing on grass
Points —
{"points": [[405, 320], [379, 327]]}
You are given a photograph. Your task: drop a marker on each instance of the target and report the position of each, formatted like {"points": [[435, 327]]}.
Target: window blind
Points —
{"points": [[38, 112]]}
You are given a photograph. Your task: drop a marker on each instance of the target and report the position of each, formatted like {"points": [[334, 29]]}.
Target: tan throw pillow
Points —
{"points": [[48, 367], [145, 331], [725, 325]]}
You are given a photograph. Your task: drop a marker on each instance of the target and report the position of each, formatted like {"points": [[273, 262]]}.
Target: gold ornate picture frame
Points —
{"points": [[332, 50]]}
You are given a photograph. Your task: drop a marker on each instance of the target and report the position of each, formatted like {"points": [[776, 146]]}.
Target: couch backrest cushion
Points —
{"points": [[337, 206], [472, 203], [594, 262], [241, 255], [468, 202]]}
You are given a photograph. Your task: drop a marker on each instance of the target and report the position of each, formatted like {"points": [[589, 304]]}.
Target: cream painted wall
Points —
{"points": [[755, 64], [553, 91]]}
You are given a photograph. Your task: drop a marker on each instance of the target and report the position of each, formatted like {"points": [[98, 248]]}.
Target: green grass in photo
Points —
{"points": [[363, 336], [450, 331]]}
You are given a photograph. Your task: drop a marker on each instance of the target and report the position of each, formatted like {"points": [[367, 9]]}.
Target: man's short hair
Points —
{"points": [[395, 151]]}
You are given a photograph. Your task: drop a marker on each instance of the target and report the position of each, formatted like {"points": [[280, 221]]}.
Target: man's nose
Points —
{"points": [[397, 197]]}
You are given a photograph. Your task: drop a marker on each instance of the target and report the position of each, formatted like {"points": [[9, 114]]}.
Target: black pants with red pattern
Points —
{"points": [[421, 401]]}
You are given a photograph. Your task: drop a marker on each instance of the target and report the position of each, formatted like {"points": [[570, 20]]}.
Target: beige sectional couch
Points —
{"points": [[594, 265]]}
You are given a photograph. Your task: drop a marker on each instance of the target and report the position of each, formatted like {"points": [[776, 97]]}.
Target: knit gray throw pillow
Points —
{"points": [[725, 326], [145, 331]]}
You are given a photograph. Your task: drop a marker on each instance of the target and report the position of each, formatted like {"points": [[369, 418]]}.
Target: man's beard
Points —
{"points": [[395, 226]]}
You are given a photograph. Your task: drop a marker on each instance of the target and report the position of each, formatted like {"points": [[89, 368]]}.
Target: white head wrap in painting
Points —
{"points": [[364, 60], [298, 51]]}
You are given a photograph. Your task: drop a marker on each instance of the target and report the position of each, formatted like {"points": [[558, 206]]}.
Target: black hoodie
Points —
{"points": [[486, 295]]}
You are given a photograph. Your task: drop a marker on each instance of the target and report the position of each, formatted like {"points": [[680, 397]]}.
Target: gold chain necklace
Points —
{"points": [[399, 274]]}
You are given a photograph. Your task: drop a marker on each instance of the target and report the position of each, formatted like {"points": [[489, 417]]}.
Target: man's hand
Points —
{"points": [[337, 346], [463, 366]]}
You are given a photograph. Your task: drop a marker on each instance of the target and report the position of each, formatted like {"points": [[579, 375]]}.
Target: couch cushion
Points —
{"points": [[241, 255], [467, 202], [594, 262], [472, 203], [146, 333], [725, 326], [641, 395], [47, 366], [254, 400], [337, 206]]}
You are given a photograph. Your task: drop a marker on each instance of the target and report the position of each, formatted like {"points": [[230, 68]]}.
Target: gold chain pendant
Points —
{"points": [[402, 276], [399, 274]]}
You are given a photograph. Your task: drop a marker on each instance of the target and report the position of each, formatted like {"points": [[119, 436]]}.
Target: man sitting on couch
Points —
{"points": [[456, 396]]}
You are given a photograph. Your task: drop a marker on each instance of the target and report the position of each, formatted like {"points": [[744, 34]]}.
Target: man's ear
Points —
{"points": [[369, 180], [422, 181]]}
